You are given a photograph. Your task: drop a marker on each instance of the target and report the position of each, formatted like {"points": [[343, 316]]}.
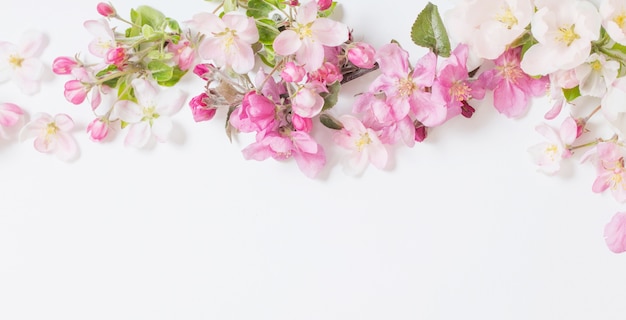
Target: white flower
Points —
{"points": [[596, 75], [564, 31], [150, 116], [21, 62], [488, 26], [613, 14], [613, 106]]}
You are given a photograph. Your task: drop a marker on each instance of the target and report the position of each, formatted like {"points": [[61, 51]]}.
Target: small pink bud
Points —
{"points": [[421, 132], [292, 72], [580, 127], [200, 109], [75, 91], [106, 9], [63, 65], [98, 129], [324, 4], [301, 124], [202, 70], [294, 3], [116, 56], [362, 55], [328, 73]]}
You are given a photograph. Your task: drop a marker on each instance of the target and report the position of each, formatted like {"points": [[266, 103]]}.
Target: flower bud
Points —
{"points": [[63, 65], [202, 70], [106, 10], [292, 72], [421, 132], [75, 91], [200, 109], [324, 4], [98, 129], [301, 123], [294, 3], [116, 56], [362, 55]]}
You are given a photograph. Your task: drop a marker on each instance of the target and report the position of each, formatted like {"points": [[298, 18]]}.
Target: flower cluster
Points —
{"points": [[274, 69]]}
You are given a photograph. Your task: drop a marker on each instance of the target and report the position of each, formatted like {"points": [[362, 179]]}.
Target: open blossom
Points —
{"points": [[564, 31], [20, 62], [184, 53], [255, 114], [511, 87], [489, 26], [150, 116], [104, 39], [10, 117], [309, 35], [615, 233], [548, 155], [228, 39], [596, 75], [309, 155], [608, 158], [363, 143], [52, 135], [613, 13]]}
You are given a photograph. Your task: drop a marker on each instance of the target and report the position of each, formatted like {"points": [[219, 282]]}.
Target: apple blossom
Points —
{"points": [[548, 155], [21, 63], [10, 117], [596, 75], [98, 129], [363, 143], [104, 38], [608, 158], [52, 135], [613, 13]]}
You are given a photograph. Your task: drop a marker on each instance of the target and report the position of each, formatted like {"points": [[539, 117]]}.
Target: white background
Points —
{"points": [[459, 227]]}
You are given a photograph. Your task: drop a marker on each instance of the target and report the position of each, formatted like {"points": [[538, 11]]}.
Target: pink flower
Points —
{"points": [[609, 161], [324, 4], [512, 87], [21, 62], [104, 38], [202, 70], [407, 89], [228, 40], [301, 124], [10, 117], [184, 54], [256, 112], [615, 233], [98, 129], [362, 55], [308, 36], [64, 65], [548, 155], [75, 91], [52, 135], [292, 72], [116, 56], [106, 10], [200, 110], [309, 155], [150, 116], [327, 74], [307, 102], [453, 84], [363, 143]]}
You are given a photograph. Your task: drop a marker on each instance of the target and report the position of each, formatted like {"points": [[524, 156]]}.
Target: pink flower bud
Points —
{"points": [[362, 55], [75, 91], [200, 109], [292, 72], [106, 9], [324, 4], [116, 56], [63, 65], [328, 73], [421, 132], [98, 129], [301, 124], [202, 70], [294, 3]]}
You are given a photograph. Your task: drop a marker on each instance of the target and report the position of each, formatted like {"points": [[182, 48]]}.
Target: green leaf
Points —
{"points": [[571, 94], [147, 31], [150, 16], [173, 25], [331, 97], [135, 17], [429, 31], [259, 9], [177, 74], [267, 31], [161, 72], [125, 91], [230, 5], [279, 4], [330, 122]]}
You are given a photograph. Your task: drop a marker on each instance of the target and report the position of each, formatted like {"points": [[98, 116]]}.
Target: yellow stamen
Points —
{"points": [[149, 114], [304, 31], [596, 65], [16, 61], [551, 151], [507, 18], [406, 87], [363, 141], [460, 91], [620, 20], [567, 35]]}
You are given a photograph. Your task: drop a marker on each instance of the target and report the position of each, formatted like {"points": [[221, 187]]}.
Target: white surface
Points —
{"points": [[461, 226]]}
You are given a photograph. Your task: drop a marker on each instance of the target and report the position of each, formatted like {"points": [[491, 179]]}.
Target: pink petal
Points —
{"points": [[138, 135], [63, 122], [329, 32], [393, 60], [615, 233], [509, 99], [304, 142], [206, 23], [287, 42], [307, 13], [10, 114], [145, 91], [127, 111], [242, 59], [601, 183], [355, 163], [213, 49], [66, 147], [32, 44], [568, 130], [170, 102], [44, 144], [311, 163], [310, 55], [425, 70], [161, 128]]}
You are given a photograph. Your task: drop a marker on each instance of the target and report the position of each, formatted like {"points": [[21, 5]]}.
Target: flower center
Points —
{"points": [[460, 91], [567, 35], [551, 151], [406, 87], [507, 18], [511, 72], [363, 141], [229, 38], [16, 61], [51, 129], [620, 19], [617, 178], [596, 65], [149, 114], [304, 31]]}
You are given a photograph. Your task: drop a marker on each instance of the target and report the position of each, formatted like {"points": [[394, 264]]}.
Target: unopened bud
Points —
{"points": [[106, 10]]}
